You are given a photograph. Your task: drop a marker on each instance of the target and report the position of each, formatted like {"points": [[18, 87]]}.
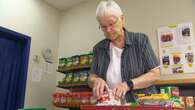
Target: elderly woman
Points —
{"points": [[123, 62]]}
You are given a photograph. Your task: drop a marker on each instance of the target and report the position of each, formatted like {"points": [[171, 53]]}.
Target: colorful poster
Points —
{"points": [[176, 49]]}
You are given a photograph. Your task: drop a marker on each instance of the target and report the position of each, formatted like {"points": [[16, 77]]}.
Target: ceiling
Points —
{"points": [[64, 4]]}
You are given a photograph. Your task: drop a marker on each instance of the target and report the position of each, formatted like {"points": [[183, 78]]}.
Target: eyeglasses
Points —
{"points": [[111, 25]]}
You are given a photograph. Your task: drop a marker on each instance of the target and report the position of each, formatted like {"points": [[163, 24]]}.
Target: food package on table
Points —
{"points": [[154, 99], [108, 99]]}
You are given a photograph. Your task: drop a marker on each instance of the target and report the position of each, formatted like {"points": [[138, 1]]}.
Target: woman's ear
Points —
{"points": [[123, 19]]}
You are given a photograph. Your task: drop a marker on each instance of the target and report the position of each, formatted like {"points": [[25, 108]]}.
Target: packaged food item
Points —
{"points": [[69, 62], [63, 80], [182, 100], [56, 98], [170, 90], [108, 99], [76, 77], [175, 91], [85, 98], [84, 59], [194, 100], [76, 99], [176, 101], [63, 99], [90, 55], [69, 77], [83, 76], [189, 101], [62, 62], [93, 99], [75, 60], [153, 96], [135, 103], [104, 98], [154, 99], [69, 98]]}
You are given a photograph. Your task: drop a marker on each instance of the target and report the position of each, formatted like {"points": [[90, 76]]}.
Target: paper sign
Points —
{"points": [[176, 49], [36, 75]]}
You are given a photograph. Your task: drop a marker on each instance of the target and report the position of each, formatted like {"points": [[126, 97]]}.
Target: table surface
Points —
{"points": [[92, 107]]}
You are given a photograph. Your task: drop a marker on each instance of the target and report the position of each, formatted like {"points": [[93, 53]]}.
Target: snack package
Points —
{"points": [[108, 99], [176, 102], [154, 99], [170, 90], [189, 101]]}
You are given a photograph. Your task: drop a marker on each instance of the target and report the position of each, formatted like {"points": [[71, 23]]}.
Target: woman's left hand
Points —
{"points": [[120, 90]]}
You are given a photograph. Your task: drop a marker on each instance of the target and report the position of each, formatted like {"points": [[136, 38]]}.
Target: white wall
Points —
{"points": [[79, 31], [41, 22]]}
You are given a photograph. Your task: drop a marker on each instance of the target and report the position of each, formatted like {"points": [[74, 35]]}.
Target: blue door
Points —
{"points": [[14, 56]]}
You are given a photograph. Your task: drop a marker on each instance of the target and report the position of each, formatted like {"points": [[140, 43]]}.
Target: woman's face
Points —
{"points": [[112, 26]]}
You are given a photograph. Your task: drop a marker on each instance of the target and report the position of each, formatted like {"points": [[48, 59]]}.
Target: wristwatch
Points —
{"points": [[130, 84]]}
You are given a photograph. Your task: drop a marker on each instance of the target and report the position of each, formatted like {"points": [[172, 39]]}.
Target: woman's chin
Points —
{"points": [[113, 39]]}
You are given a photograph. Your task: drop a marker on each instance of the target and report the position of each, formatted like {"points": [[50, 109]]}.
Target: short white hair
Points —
{"points": [[108, 7]]}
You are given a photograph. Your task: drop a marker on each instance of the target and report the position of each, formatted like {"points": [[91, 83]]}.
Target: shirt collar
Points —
{"points": [[128, 40]]}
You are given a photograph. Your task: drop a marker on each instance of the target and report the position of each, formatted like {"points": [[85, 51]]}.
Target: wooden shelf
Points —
{"points": [[176, 81], [67, 86], [73, 68], [75, 87]]}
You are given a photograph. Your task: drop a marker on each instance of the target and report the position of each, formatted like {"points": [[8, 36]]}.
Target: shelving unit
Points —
{"points": [[186, 85], [73, 87]]}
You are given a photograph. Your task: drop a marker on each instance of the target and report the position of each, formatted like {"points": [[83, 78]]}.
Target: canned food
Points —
{"points": [[75, 60], [84, 59], [69, 62]]}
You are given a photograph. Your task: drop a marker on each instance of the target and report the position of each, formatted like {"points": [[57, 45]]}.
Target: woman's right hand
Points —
{"points": [[99, 86]]}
